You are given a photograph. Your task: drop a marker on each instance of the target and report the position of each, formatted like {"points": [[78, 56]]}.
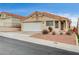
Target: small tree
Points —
{"points": [[50, 29]]}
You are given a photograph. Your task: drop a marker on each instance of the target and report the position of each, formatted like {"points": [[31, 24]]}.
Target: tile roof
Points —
{"points": [[55, 17], [14, 15]]}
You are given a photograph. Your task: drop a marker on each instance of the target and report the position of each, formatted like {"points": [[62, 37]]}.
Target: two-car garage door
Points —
{"points": [[32, 26]]}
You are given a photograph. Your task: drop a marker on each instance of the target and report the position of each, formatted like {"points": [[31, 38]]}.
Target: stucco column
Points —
{"points": [[54, 24], [66, 25], [43, 23], [59, 23]]}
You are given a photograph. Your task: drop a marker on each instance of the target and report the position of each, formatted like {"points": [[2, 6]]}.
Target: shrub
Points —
{"points": [[68, 33], [44, 32], [50, 29], [53, 33], [61, 33], [75, 30]]}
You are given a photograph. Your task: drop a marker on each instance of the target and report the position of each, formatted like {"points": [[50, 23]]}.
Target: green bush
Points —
{"points": [[61, 33], [68, 33], [45, 32], [50, 29], [53, 33]]}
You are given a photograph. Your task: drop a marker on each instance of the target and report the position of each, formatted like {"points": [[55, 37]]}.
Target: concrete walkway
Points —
{"points": [[27, 38]]}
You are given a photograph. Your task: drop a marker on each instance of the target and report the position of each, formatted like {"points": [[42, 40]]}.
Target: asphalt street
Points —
{"points": [[10, 46]]}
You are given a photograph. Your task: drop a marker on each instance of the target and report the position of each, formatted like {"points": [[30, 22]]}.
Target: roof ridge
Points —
{"points": [[48, 14]]}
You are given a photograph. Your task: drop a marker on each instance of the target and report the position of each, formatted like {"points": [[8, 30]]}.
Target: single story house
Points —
{"points": [[39, 21], [10, 22]]}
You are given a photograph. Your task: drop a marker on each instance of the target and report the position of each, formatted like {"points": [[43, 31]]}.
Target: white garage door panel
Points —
{"points": [[32, 26]]}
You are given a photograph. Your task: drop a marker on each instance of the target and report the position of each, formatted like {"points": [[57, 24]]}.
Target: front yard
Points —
{"points": [[68, 39]]}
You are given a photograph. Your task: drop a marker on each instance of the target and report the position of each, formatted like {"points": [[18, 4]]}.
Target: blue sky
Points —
{"points": [[70, 10]]}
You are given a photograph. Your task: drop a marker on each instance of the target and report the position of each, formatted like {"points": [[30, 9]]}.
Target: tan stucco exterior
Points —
{"points": [[9, 22], [44, 19]]}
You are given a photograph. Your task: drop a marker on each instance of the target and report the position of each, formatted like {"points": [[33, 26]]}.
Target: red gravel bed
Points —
{"points": [[69, 39]]}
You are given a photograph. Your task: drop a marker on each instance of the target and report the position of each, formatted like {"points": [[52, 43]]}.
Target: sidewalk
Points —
{"points": [[27, 38]]}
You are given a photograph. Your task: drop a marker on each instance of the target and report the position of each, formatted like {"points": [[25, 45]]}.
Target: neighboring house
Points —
{"points": [[10, 22], [38, 21]]}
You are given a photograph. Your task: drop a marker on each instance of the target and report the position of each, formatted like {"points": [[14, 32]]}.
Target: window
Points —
{"points": [[2, 16], [56, 24], [49, 23]]}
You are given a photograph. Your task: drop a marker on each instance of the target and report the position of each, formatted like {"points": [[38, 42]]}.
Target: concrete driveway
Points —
{"points": [[29, 33]]}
